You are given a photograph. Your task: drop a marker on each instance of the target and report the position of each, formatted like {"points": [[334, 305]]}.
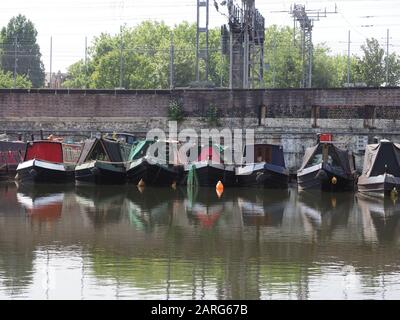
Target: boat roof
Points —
{"points": [[111, 148], [343, 155], [383, 157]]}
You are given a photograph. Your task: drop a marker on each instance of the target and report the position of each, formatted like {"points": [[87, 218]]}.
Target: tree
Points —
{"points": [[394, 70], [7, 81], [282, 56], [140, 57], [371, 65], [19, 48]]}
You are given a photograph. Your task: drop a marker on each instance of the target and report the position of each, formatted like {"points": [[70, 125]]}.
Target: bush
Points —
{"points": [[212, 116], [175, 111]]}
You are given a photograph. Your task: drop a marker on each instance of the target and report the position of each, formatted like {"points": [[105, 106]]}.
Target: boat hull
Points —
{"points": [[208, 174], [97, 172], [153, 173], [320, 177], [37, 171], [136, 170], [262, 175], [379, 185]]}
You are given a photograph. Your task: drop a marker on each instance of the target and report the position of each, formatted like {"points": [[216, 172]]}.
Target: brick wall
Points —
{"points": [[292, 116], [359, 103]]}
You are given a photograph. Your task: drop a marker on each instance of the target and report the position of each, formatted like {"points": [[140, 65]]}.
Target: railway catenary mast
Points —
{"points": [[306, 19], [242, 39]]}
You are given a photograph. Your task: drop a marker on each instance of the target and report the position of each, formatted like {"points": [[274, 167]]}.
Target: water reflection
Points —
{"points": [[122, 242]]}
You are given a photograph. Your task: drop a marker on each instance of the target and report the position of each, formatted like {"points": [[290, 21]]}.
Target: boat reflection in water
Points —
{"points": [[42, 202], [383, 214], [261, 208], [325, 212], [161, 243], [101, 204], [147, 207], [204, 207]]}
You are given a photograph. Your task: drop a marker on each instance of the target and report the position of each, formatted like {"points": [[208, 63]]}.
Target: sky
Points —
{"points": [[68, 22]]}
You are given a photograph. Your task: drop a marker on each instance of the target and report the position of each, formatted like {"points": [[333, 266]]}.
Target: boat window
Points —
{"points": [[316, 159], [333, 161], [98, 153]]}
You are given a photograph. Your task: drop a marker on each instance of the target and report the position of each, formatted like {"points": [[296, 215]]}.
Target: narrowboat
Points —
{"points": [[265, 169], [11, 154], [44, 162], [381, 171], [100, 162], [157, 163], [210, 168], [126, 140], [327, 168]]}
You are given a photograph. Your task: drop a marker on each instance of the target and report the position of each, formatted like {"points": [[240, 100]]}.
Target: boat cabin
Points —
{"points": [[382, 158], [161, 151], [50, 151], [11, 152], [328, 153], [100, 149], [268, 153], [140, 149], [211, 153]]}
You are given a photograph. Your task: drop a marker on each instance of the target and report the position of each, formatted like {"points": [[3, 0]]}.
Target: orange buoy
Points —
{"points": [[219, 193]]}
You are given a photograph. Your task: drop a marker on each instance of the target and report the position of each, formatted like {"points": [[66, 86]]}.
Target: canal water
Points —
{"points": [[70, 242]]}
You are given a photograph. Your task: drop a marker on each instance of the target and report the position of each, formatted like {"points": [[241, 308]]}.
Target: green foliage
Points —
{"points": [[212, 116], [175, 111], [139, 57], [282, 56], [20, 36], [146, 57], [372, 66], [7, 81], [394, 70]]}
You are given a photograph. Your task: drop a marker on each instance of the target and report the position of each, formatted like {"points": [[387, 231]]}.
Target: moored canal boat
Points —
{"points": [[11, 154], [381, 171], [100, 162], [210, 168], [327, 168], [47, 161], [267, 169], [159, 165]]}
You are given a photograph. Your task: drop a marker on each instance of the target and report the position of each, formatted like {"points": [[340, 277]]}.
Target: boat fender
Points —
{"points": [[219, 186], [394, 192], [141, 183], [95, 171], [334, 180]]}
